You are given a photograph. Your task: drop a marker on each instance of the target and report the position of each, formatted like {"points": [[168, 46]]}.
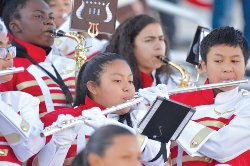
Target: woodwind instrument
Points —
{"points": [[207, 86], [185, 76], [11, 70], [80, 50], [80, 119]]}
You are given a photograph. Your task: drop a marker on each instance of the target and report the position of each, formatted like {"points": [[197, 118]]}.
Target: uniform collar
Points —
{"points": [[147, 80], [89, 103], [37, 53], [226, 96]]}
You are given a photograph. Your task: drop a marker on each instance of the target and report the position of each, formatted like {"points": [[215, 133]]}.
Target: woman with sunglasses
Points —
{"points": [[19, 116], [20, 125]]}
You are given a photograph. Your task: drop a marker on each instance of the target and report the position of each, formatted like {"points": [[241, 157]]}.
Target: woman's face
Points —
{"points": [[6, 62], [35, 23], [149, 47], [61, 9], [123, 152], [225, 63], [116, 85]]}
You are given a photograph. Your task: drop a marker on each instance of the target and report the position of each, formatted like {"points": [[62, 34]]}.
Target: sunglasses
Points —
{"points": [[5, 51]]}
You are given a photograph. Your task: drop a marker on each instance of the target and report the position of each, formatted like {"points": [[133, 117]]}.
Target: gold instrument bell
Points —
{"points": [[185, 76], [80, 50]]}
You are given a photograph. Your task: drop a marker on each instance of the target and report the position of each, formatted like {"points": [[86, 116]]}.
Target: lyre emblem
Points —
{"points": [[94, 11], [160, 133]]}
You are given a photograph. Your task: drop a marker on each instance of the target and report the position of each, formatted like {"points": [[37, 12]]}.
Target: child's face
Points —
{"points": [[225, 63], [116, 85], [34, 25], [124, 151], [150, 47], [61, 8], [6, 62]]}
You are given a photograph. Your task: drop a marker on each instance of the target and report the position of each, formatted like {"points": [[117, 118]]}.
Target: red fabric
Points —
{"points": [[147, 80], [51, 117], [195, 98], [11, 157], [206, 97], [23, 78]]}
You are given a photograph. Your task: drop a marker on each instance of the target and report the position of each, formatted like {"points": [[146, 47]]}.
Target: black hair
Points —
{"points": [[122, 42], [99, 142], [226, 36], [91, 71], [10, 10]]}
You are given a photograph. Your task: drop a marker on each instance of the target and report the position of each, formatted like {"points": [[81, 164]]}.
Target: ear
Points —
{"points": [[15, 27], [203, 66], [94, 160], [92, 87]]}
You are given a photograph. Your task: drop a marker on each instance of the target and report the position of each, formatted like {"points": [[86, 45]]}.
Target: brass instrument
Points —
{"points": [[80, 119], [11, 70], [80, 50], [185, 76]]}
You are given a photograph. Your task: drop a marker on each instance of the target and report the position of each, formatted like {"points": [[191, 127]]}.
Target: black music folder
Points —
{"points": [[165, 120]]}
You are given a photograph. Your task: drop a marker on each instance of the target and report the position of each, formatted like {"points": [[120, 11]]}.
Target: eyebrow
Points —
{"points": [[153, 36], [121, 74], [220, 55], [42, 12]]}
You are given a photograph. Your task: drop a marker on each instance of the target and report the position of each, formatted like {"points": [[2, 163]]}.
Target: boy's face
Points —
{"points": [[225, 63], [35, 23]]}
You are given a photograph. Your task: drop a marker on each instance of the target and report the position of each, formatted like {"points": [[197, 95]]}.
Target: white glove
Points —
{"points": [[151, 93], [95, 119], [66, 136]]}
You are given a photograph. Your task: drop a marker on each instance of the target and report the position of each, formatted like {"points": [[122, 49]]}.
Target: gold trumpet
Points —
{"points": [[11, 70], [80, 119], [185, 76], [80, 50]]}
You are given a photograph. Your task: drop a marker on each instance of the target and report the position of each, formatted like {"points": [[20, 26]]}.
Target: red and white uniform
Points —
{"points": [[37, 83], [150, 80], [20, 128], [149, 152], [218, 133]]}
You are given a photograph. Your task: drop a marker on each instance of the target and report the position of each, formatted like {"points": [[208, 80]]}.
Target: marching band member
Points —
{"points": [[49, 77], [105, 81], [142, 41], [220, 127], [61, 46], [20, 125], [110, 146]]}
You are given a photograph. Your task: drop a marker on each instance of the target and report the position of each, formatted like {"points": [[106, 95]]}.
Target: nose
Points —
{"points": [[48, 21], [9, 56], [127, 87], [227, 68], [160, 45]]}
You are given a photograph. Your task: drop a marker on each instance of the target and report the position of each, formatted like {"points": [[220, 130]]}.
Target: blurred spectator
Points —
{"points": [[223, 14], [129, 8], [168, 23]]}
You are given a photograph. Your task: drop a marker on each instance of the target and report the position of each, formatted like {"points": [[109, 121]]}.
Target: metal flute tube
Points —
{"points": [[206, 86], [11, 70], [80, 119]]}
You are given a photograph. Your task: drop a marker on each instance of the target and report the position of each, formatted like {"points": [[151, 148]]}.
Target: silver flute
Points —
{"points": [[207, 86], [11, 70], [80, 119]]}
